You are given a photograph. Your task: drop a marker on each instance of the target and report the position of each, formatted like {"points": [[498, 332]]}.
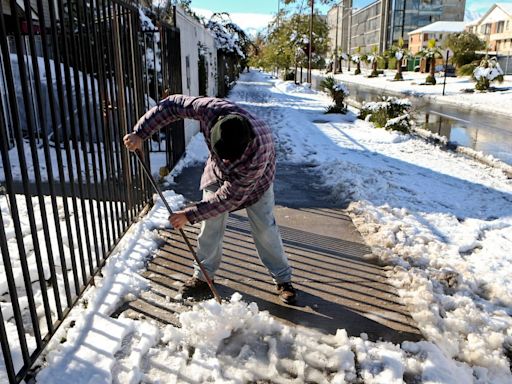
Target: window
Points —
{"points": [[501, 27], [187, 67]]}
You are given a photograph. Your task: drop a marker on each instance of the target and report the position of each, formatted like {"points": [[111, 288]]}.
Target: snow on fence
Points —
{"points": [[68, 188]]}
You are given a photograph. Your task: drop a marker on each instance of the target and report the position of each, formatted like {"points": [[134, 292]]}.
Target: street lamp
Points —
{"points": [[310, 39]]}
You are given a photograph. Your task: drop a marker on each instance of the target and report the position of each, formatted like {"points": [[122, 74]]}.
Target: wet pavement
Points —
{"points": [[339, 285]]}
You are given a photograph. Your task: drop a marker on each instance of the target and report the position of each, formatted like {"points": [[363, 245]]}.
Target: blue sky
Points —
{"points": [[254, 15], [270, 6]]}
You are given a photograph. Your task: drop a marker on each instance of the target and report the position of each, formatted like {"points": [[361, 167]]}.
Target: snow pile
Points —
{"points": [[291, 87], [443, 220]]}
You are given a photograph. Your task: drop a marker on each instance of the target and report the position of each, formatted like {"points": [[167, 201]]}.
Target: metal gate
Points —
{"points": [[72, 85]]}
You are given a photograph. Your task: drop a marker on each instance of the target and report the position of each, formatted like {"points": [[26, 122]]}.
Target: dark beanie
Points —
{"points": [[230, 135]]}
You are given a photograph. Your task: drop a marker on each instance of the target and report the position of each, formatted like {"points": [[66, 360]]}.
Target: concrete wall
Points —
{"points": [[195, 38]]}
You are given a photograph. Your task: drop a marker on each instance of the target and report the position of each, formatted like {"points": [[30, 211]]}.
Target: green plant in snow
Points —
{"points": [[431, 52], [372, 59], [356, 59], [399, 52], [391, 113], [338, 92], [489, 70]]}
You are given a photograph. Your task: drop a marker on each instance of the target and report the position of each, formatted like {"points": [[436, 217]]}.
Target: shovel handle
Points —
{"points": [[147, 171]]}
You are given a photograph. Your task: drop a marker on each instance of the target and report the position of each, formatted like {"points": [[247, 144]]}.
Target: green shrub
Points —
{"points": [[336, 109], [391, 113], [431, 80], [338, 92], [381, 63], [392, 63]]}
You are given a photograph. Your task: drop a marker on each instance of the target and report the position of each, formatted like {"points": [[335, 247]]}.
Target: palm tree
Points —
{"points": [[372, 59], [356, 58], [399, 52], [431, 53], [487, 71]]}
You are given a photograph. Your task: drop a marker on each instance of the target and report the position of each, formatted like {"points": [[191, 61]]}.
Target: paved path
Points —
{"points": [[339, 286]]}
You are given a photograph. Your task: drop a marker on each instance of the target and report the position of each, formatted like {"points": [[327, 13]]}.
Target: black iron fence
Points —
{"points": [[74, 78]]}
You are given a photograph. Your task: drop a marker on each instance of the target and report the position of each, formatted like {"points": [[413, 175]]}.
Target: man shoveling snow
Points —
{"points": [[239, 174]]}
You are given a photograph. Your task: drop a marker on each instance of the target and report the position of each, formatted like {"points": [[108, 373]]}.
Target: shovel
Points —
{"points": [[138, 153]]}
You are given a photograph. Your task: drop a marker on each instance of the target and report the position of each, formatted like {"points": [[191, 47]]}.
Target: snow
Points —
{"points": [[442, 223], [490, 73], [490, 102]]}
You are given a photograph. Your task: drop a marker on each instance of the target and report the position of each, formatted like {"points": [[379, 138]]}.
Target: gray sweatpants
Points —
{"points": [[264, 232]]}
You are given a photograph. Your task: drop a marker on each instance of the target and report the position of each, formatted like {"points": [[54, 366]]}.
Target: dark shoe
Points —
{"points": [[195, 288], [287, 293]]}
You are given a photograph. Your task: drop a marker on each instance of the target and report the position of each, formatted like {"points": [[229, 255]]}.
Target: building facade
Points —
{"points": [[383, 22], [439, 31], [495, 27], [337, 20]]}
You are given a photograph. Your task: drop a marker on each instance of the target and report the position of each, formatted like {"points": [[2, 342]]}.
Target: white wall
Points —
{"points": [[193, 35]]}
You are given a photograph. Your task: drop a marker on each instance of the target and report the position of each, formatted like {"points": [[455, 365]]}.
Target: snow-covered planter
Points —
{"points": [[391, 113], [488, 70], [338, 92]]}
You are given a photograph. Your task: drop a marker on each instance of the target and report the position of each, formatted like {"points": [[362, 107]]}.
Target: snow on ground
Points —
{"points": [[443, 224], [444, 221], [495, 102]]}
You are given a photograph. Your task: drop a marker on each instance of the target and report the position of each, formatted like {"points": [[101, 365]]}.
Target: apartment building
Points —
{"points": [[495, 27], [383, 22], [439, 31]]}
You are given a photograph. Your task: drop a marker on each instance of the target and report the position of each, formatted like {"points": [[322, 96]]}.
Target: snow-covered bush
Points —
{"points": [[338, 92], [391, 113], [488, 70]]}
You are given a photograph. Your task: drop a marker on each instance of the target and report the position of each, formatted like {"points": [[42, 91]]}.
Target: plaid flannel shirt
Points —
{"points": [[243, 182]]}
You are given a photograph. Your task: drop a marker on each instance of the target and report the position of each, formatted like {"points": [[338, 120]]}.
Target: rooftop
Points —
{"points": [[441, 26]]}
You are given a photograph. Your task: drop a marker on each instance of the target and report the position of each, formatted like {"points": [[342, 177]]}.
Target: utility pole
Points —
{"points": [[335, 65], [349, 33], [310, 39]]}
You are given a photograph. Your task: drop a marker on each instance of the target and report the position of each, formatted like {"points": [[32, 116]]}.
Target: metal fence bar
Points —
{"points": [[90, 122], [64, 140], [49, 169], [72, 78], [110, 146], [35, 158], [25, 182], [4, 343], [92, 104], [105, 178]]}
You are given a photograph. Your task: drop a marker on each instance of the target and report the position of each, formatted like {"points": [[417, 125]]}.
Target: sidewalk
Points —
{"points": [[339, 287]]}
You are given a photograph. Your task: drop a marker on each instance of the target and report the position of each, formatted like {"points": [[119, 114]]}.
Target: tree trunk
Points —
{"points": [[398, 75]]}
